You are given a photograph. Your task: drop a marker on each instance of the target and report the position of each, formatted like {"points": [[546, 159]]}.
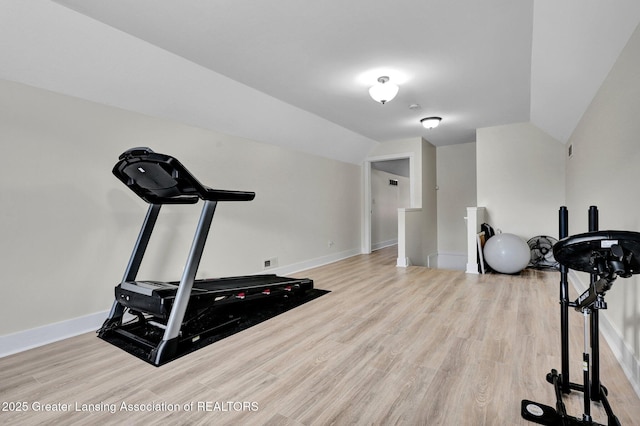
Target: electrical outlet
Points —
{"points": [[271, 263]]}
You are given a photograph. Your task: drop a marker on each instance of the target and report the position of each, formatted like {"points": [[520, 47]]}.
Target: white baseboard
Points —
{"points": [[621, 350], [432, 260], [311, 263], [383, 244], [440, 260], [451, 260], [39, 336], [403, 262], [29, 339]]}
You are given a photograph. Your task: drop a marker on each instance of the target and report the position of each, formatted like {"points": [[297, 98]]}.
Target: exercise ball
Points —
{"points": [[507, 253]]}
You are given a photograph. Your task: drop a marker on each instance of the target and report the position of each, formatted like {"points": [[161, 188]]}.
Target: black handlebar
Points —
{"points": [[162, 179]]}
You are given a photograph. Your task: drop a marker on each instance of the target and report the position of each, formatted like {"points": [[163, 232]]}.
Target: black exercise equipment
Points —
{"points": [[168, 318], [605, 255]]}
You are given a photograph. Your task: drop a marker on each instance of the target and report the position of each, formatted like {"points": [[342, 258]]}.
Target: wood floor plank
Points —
{"points": [[407, 346]]}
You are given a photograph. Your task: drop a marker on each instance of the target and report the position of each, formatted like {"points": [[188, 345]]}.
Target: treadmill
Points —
{"points": [[165, 320]]}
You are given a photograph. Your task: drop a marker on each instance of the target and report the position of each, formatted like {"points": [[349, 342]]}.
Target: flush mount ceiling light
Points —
{"points": [[383, 91], [430, 122]]}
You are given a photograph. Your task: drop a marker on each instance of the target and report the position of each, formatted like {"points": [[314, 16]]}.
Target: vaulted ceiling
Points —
{"points": [[474, 63]]}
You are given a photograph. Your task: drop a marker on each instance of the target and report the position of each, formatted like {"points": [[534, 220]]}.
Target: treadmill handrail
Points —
{"points": [[162, 179]]}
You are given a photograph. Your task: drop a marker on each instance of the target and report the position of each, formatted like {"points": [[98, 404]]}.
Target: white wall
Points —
{"points": [[70, 53], [520, 179], [410, 223], [68, 225], [604, 171], [386, 200], [456, 192]]}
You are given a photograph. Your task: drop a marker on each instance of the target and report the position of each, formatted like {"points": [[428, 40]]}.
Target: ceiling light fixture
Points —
{"points": [[383, 91], [431, 122]]}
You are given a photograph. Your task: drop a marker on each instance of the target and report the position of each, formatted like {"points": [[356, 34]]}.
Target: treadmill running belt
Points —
{"points": [[225, 322]]}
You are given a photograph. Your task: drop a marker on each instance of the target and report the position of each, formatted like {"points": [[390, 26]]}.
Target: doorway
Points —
{"points": [[400, 165]]}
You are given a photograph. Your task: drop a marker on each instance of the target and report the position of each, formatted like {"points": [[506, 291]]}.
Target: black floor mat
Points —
{"points": [[226, 322]]}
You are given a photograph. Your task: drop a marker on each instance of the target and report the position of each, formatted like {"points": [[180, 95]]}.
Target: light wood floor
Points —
{"points": [[388, 345]]}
